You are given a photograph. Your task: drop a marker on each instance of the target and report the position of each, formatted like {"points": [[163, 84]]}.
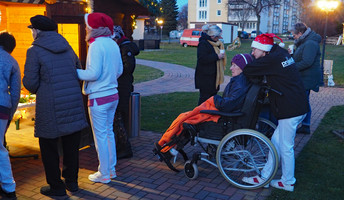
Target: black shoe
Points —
{"points": [[46, 190], [72, 186], [9, 195], [304, 129]]}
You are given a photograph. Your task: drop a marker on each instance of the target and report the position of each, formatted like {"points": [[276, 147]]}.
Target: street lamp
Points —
{"points": [[160, 22], [327, 7]]}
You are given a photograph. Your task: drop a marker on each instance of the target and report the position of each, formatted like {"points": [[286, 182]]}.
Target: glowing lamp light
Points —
{"points": [[160, 22], [328, 6]]}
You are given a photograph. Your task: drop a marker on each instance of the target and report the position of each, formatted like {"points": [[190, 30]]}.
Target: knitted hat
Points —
{"points": [[242, 60], [117, 32], [42, 23], [98, 20], [265, 41]]}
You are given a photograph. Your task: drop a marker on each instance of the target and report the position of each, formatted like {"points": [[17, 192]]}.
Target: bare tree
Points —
{"points": [[242, 12], [183, 17], [257, 6]]}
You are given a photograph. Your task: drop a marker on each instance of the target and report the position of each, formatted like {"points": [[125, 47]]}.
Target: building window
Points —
{"points": [[218, 12], [203, 3], [195, 33], [202, 15], [219, 1]]}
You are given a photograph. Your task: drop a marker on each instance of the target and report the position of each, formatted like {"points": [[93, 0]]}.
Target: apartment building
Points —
{"points": [[282, 17], [205, 11], [277, 19]]}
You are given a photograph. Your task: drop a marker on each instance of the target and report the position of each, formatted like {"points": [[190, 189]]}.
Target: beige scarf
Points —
{"points": [[220, 64]]}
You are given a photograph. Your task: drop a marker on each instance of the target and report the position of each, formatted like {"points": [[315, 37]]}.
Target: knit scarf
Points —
{"points": [[99, 32], [220, 64]]}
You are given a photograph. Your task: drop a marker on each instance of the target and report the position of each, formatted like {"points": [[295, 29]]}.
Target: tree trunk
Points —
{"points": [[258, 24]]}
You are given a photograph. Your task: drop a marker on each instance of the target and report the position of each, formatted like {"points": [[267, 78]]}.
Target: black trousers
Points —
{"points": [[205, 94], [51, 159]]}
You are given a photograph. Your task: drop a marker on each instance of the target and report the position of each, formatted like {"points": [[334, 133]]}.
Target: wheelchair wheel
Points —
{"points": [[266, 127], [190, 170], [244, 153]]}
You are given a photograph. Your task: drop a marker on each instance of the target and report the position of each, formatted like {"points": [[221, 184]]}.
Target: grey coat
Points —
{"points": [[50, 73], [307, 58]]}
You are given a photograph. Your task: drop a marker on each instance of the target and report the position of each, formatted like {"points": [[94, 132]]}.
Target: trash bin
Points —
{"points": [[134, 114]]}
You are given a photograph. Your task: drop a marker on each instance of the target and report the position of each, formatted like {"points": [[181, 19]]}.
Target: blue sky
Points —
{"points": [[181, 3]]}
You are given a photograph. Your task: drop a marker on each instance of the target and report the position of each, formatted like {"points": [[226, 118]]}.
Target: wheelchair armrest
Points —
{"points": [[223, 114]]}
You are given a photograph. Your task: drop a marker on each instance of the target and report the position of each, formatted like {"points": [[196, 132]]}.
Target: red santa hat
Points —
{"points": [[265, 41], [97, 20]]}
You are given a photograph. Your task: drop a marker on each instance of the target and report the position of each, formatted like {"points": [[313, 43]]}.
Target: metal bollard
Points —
{"points": [[134, 114]]}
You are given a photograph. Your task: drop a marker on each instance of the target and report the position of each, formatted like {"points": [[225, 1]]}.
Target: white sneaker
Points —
{"points": [[255, 180], [98, 178], [280, 185], [113, 175]]}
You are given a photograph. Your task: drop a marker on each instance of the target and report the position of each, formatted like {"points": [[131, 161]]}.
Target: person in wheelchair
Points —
{"points": [[288, 104], [232, 100]]}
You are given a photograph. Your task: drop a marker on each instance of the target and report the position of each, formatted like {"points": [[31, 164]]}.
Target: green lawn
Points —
{"points": [[158, 111], [144, 73], [175, 53]]}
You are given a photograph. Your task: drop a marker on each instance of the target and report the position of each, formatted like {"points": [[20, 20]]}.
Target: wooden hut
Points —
{"points": [[69, 15]]}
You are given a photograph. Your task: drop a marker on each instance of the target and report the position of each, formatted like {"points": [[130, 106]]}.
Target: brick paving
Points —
{"points": [[143, 176]]}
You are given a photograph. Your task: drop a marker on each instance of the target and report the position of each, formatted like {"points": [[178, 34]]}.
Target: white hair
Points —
{"points": [[205, 28], [214, 31]]}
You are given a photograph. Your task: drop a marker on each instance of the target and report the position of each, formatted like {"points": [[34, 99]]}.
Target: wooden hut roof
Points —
{"points": [[24, 1]]}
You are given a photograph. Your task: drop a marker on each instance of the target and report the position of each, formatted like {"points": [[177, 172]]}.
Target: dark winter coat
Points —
{"points": [[283, 76], [206, 69], [234, 94], [125, 82], [307, 58], [50, 73]]}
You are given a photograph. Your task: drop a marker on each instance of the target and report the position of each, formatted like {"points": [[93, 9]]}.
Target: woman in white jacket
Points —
{"points": [[103, 67]]}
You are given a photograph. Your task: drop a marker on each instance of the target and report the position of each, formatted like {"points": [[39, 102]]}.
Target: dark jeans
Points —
{"points": [[307, 120], [206, 94], [51, 159]]}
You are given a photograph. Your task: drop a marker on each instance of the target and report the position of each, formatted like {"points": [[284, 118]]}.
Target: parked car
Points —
{"points": [[190, 37], [288, 35], [254, 34], [243, 34], [175, 34]]}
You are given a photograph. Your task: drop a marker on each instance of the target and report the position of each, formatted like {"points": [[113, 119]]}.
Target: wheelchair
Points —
{"points": [[238, 144]]}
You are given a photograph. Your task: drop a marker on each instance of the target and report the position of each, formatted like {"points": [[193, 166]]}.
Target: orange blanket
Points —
{"points": [[191, 117]]}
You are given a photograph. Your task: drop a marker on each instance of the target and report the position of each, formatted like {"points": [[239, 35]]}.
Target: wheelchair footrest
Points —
{"points": [[166, 157]]}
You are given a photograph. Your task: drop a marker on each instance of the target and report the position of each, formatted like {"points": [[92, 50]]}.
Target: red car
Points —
{"points": [[190, 37]]}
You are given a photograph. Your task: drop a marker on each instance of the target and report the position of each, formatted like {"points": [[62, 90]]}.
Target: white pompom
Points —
{"points": [[281, 45]]}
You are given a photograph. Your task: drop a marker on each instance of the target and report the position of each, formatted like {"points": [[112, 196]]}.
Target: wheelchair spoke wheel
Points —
{"points": [[244, 153], [266, 127], [190, 170]]}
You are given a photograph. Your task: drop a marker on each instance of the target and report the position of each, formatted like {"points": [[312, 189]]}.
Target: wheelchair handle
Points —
{"points": [[265, 85], [276, 91]]}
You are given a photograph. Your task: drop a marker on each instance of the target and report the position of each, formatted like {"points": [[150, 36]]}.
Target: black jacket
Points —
{"points": [[125, 82], [50, 73], [307, 58], [205, 74], [283, 76], [234, 94]]}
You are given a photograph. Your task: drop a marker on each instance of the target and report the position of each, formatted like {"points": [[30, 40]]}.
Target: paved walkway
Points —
{"points": [[177, 78], [143, 177]]}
